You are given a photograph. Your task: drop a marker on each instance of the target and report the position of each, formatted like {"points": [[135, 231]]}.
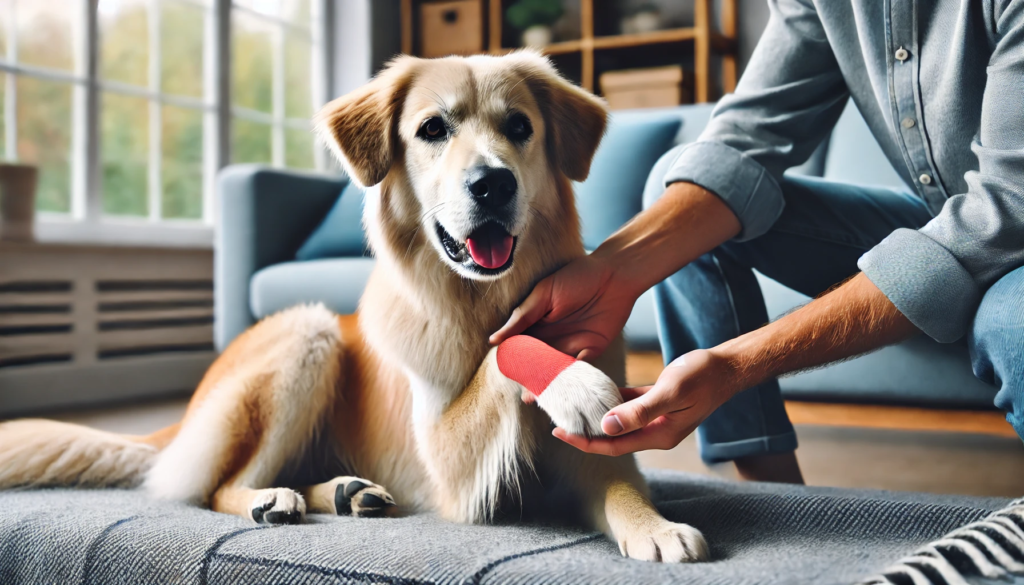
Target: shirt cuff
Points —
{"points": [[740, 181], [925, 282]]}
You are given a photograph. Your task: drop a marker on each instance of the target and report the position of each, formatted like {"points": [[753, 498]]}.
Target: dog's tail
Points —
{"points": [[35, 452]]}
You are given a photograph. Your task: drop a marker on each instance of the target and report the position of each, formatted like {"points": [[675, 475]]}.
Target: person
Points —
{"points": [[940, 84]]}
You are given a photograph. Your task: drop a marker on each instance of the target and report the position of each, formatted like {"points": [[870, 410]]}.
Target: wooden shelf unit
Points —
{"points": [[706, 41]]}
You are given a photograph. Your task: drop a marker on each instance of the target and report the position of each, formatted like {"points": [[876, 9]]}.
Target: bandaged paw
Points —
{"points": [[575, 394]]}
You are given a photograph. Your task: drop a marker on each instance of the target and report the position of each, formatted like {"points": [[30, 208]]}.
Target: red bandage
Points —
{"points": [[531, 362]]}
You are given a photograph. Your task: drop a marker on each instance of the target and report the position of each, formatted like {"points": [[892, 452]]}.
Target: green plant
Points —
{"points": [[526, 13]]}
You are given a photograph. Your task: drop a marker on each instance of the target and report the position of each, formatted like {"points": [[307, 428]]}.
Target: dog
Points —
{"points": [[468, 164]]}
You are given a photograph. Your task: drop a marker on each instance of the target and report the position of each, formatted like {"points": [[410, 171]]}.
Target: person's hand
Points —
{"points": [[578, 310], [660, 416]]}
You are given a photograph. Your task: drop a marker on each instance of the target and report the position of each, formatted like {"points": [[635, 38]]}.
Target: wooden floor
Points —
{"points": [[846, 454]]}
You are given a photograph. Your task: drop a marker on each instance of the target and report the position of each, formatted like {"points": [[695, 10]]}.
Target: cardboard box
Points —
{"points": [[451, 28], [656, 87]]}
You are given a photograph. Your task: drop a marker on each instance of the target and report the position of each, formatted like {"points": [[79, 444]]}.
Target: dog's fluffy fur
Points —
{"points": [[305, 404]]}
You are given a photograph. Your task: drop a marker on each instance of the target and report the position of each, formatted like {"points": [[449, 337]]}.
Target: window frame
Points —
{"points": [[86, 222]]}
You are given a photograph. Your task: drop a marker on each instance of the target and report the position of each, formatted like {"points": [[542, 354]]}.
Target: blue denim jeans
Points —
{"points": [[824, 228]]}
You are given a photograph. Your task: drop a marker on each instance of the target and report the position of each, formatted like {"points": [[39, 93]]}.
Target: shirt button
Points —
{"points": [[908, 122], [925, 179], [902, 54]]}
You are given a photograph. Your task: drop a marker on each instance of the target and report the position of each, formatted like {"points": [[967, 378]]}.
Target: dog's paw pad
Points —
{"points": [[277, 506], [360, 498]]}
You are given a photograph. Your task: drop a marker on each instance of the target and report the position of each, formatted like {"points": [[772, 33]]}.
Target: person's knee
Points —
{"points": [[656, 179], [997, 343]]}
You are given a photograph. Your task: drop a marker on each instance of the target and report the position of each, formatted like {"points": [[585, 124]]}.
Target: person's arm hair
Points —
{"points": [[682, 225], [850, 320]]}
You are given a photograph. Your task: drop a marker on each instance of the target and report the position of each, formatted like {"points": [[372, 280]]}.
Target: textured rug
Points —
{"points": [[759, 533]]}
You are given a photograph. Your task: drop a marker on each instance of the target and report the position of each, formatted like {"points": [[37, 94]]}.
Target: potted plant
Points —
{"points": [[534, 18]]}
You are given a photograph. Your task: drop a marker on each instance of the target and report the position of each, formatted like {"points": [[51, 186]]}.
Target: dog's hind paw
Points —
{"points": [[277, 506], [667, 543], [358, 497]]}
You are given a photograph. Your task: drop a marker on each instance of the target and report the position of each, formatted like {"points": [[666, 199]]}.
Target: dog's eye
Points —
{"points": [[518, 128], [433, 130]]}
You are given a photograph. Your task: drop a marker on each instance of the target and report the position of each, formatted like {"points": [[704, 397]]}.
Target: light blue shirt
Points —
{"points": [[941, 85]]}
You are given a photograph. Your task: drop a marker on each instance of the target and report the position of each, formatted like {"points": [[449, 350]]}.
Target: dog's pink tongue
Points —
{"points": [[490, 246]]}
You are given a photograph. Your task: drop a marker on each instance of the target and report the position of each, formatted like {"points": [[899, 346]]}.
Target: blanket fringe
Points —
{"points": [[992, 548]]}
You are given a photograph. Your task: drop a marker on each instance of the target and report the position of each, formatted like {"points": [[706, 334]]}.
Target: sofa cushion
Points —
{"points": [[613, 192], [759, 533], [341, 232], [337, 283]]}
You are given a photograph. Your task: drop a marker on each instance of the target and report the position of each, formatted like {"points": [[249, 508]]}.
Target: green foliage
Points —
{"points": [[526, 13], [45, 108]]}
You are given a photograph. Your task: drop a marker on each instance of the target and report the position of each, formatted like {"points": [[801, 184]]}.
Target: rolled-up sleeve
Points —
{"points": [[937, 276], [788, 100]]}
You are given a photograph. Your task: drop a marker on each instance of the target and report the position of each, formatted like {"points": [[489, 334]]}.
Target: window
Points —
{"points": [[121, 105]]}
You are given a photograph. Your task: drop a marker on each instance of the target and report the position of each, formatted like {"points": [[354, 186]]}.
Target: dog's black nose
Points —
{"points": [[491, 187]]}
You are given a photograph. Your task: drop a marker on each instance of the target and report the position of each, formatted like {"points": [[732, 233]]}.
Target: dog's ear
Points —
{"points": [[361, 126], [575, 119]]}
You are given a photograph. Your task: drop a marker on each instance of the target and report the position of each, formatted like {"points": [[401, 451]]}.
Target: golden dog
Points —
{"points": [[468, 163]]}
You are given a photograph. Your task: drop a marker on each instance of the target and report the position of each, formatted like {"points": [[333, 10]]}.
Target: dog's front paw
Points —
{"points": [[277, 506], [667, 542], [578, 398], [354, 496]]}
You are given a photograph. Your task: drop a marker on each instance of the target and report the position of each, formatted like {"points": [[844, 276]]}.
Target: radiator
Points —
{"points": [[83, 325]]}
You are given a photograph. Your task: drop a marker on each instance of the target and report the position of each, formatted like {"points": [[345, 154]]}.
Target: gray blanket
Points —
{"points": [[759, 533]]}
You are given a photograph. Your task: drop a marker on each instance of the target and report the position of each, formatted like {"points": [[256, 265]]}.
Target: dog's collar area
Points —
{"points": [[459, 254]]}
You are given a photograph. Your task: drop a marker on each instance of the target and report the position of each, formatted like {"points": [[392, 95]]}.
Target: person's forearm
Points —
{"points": [[685, 223], [852, 319]]}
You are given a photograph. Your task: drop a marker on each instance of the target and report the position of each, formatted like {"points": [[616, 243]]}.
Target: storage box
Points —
{"points": [[451, 28], [655, 87]]}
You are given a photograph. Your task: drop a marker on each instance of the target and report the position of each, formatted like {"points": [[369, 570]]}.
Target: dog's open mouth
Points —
{"points": [[487, 250]]}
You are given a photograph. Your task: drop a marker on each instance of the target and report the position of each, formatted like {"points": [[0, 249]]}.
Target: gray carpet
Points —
{"points": [[759, 533]]}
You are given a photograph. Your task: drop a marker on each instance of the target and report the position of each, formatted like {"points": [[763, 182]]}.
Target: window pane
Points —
{"points": [[124, 143], [298, 149], [45, 32], [252, 62], [250, 141], [268, 7], [182, 168], [298, 81], [124, 41], [5, 11], [44, 139], [296, 11], [182, 29]]}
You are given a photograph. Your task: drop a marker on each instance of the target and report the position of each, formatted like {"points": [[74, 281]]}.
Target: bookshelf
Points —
{"points": [[693, 46]]}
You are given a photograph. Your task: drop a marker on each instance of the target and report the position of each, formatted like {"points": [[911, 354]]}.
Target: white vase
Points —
{"points": [[537, 36]]}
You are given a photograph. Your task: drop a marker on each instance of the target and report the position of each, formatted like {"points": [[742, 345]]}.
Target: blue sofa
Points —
{"points": [[266, 215]]}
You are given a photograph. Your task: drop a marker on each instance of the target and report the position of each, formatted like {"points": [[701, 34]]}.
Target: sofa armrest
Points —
{"points": [[264, 216]]}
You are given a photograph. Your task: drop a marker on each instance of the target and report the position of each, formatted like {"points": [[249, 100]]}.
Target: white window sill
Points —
{"points": [[124, 232]]}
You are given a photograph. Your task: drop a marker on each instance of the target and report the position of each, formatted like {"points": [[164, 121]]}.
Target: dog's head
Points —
{"points": [[479, 146]]}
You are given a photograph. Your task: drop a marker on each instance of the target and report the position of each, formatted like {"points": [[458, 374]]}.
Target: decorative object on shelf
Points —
{"points": [[643, 19], [653, 87], [534, 18], [451, 28], [17, 201]]}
